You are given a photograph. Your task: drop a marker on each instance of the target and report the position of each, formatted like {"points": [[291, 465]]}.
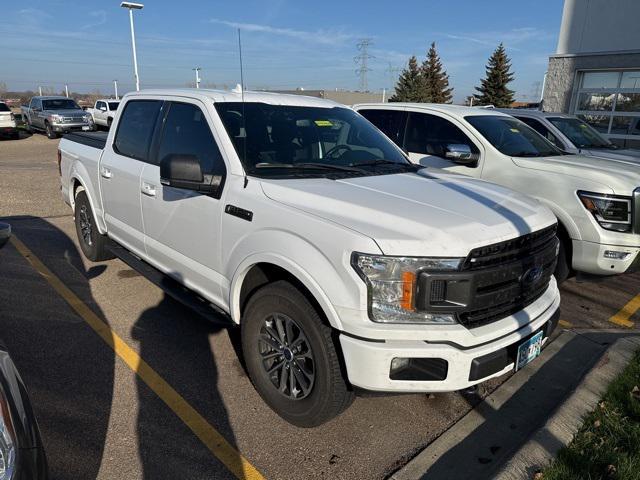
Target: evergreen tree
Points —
{"points": [[435, 81], [493, 88], [408, 88]]}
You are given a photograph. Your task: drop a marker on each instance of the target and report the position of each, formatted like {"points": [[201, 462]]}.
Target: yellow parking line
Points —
{"points": [[565, 324], [214, 441], [622, 317]]}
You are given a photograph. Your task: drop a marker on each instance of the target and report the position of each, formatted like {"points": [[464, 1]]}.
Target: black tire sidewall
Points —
{"points": [[90, 251], [563, 270], [49, 131], [282, 297]]}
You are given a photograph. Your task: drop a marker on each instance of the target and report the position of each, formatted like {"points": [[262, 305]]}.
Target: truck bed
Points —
{"points": [[91, 139]]}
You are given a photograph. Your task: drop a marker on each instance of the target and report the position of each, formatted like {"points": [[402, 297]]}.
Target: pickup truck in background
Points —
{"points": [[55, 116], [295, 220], [571, 134], [596, 200], [104, 111]]}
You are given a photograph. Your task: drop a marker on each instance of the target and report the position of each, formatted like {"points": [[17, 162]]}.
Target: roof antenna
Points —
{"points": [[244, 121]]}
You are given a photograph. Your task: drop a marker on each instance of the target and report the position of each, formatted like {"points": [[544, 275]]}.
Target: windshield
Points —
{"points": [[580, 133], [113, 105], [513, 137], [60, 104], [292, 141]]}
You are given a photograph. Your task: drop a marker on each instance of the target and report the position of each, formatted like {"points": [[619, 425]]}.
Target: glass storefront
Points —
{"points": [[610, 102]]}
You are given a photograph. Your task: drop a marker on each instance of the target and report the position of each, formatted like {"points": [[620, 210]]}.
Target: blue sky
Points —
{"points": [[286, 43]]}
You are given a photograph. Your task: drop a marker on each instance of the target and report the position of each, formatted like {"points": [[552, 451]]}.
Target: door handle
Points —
{"points": [[148, 189], [106, 172]]}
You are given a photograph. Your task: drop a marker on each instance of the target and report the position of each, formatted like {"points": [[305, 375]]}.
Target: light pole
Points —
{"points": [[133, 6], [197, 70], [115, 87], [66, 90]]}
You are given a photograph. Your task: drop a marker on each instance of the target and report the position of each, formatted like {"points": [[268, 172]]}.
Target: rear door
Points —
{"points": [[182, 227], [120, 168], [98, 112]]}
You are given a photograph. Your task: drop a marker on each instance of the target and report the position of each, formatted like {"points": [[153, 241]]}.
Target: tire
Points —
{"points": [[27, 127], [92, 243], [49, 131], [15, 135], [563, 267], [326, 394]]}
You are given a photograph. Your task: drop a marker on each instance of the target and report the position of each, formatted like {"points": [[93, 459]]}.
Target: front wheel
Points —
{"points": [[49, 130], [291, 356], [92, 243], [563, 267]]}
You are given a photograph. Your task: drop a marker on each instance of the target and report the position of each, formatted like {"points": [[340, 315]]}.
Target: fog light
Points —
{"points": [[615, 255], [399, 364]]}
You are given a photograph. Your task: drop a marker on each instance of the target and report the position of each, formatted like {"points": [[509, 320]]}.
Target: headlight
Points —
{"points": [[391, 284], [87, 118], [612, 212], [7, 441], [56, 118]]}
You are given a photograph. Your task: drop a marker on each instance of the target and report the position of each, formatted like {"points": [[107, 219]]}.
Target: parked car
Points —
{"points": [[104, 111], [596, 200], [56, 115], [22, 455], [8, 125], [304, 225], [571, 134]]}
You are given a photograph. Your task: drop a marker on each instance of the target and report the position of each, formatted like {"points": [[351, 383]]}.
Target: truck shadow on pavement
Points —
{"points": [[68, 370]]}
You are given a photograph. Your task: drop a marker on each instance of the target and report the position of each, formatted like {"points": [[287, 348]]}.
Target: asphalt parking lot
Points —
{"points": [[127, 383]]}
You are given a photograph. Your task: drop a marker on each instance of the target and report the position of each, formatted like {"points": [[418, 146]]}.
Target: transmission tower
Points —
{"points": [[394, 73], [362, 59]]}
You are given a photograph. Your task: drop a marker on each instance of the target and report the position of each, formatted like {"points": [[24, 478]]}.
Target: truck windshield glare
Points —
{"points": [[294, 141], [512, 137]]}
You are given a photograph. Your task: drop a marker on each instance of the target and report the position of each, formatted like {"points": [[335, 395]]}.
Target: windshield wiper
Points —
{"points": [[526, 154], [310, 165]]}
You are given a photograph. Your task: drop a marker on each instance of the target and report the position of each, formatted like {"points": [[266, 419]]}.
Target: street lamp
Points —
{"points": [[133, 6]]}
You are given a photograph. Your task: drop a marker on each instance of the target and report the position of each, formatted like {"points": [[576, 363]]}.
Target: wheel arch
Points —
{"points": [[77, 185]]}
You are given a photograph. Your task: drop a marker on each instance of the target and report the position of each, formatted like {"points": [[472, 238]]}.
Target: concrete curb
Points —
{"points": [[523, 423], [561, 427]]}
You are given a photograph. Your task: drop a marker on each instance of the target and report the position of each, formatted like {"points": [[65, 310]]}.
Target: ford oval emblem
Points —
{"points": [[531, 276]]}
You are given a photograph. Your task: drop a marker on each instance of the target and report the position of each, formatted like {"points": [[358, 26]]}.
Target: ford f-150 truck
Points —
{"points": [[104, 111], [596, 200], [55, 115], [342, 263]]}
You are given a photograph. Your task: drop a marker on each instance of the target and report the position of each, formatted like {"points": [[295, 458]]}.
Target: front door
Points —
{"points": [[120, 169], [427, 138], [182, 227]]}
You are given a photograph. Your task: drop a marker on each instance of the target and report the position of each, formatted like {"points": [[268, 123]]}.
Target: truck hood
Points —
{"points": [[621, 176], [429, 213]]}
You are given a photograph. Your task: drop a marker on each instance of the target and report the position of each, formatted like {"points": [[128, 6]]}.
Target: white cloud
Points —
{"points": [[101, 19], [326, 37]]}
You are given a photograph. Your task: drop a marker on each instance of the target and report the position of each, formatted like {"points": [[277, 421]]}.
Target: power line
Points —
{"points": [[362, 59]]}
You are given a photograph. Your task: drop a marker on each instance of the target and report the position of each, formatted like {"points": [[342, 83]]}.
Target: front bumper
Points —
{"points": [[368, 362], [71, 127], [589, 257]]}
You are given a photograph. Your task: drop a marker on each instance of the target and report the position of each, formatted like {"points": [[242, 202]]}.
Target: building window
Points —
{"points": [[610, 102]]}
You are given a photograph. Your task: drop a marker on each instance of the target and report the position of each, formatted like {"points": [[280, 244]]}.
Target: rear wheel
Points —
{"points": [[49, 131], [92, 243], [291, 356]]}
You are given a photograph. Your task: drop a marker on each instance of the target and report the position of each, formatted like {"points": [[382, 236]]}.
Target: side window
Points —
{"points": [[37, 104], [542, 130], [430, 134], [390, 122], [135, 128], [186, 132], [100, 105]]}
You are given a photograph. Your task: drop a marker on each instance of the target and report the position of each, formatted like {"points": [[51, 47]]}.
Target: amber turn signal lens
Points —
{"points": [[408, 287]]}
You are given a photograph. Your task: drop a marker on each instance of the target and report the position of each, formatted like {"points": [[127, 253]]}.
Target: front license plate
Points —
{"points": [[86, 129], [529, 350]]}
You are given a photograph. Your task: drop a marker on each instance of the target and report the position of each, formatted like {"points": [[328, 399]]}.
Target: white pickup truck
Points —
{"points": [[343, 264], [596, 200], [104, 111]]}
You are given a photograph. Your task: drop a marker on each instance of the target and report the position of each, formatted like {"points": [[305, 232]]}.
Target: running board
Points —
{"points": [[171, 287]]}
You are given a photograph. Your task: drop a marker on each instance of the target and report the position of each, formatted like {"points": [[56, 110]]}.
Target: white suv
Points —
{"points": [[596, 200]]}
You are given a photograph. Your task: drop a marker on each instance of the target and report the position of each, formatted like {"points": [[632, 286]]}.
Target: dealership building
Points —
{"points": [[595, 72]]}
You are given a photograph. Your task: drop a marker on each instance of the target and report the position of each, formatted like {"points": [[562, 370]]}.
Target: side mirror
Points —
{"points": [[104, 109], [460, 153], [5, 233], [183, 171]]}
